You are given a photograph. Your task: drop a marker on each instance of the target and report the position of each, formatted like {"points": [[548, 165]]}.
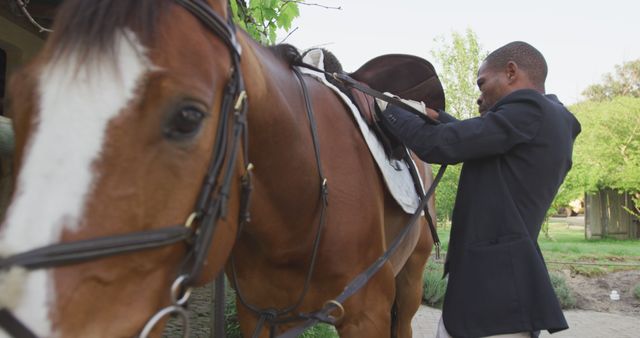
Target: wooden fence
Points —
{"points": [[605, 216]]}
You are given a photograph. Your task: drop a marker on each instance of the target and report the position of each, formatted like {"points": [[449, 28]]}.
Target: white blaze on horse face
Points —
{"points": [[77, 102]]}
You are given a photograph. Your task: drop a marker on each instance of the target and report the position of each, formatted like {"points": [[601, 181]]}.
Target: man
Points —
{"points": [[516, 154]]}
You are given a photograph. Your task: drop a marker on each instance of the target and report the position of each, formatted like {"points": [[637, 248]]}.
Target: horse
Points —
{"points": [[116, 121]]}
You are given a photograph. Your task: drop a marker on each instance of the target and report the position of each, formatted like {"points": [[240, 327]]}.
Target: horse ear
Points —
{"points": [[407, 76]]}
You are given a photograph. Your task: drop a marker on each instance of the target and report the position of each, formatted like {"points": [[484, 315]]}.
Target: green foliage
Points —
{"points": [[434, 286], [566, 298], [446, 192], [607, 152], [262, 18], [459, 59], [625, 82], [636, 291], [320, 331]]}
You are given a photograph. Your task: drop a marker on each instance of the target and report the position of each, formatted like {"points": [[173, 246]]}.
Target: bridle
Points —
{"points": [[211, 206]]}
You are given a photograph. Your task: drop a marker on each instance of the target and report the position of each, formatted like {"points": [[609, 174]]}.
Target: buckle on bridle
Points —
{"points": [[189, 222], [242, 97], [339, 307]]}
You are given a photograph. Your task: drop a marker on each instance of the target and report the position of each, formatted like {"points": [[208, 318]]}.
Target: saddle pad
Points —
{"points": [[395, 173]]}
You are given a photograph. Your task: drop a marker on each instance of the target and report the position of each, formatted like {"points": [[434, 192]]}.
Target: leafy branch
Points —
{"points": [[262, 18]]}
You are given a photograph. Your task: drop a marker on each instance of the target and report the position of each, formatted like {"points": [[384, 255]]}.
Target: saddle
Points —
{"points": [[407, 76]]}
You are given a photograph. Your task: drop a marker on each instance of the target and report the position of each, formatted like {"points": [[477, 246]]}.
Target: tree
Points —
{"points": [[458, 59], [624, 82], [607, 152], [262, 18]]}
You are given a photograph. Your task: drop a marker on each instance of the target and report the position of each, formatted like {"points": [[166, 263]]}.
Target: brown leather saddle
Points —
{"points": [[407, 76]]}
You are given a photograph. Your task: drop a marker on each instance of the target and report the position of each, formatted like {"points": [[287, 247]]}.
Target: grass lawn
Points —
{"points": [[565, 248], [567, 243]]}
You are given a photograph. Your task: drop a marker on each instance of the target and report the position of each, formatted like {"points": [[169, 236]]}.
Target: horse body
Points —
{"points": [[146, 170], [274, 251]]}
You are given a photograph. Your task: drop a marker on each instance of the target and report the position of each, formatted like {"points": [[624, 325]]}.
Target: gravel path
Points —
{"points": [[582, 324]]}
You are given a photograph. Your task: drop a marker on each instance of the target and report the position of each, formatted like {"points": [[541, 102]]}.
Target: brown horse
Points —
{"points": [[115, 124]]}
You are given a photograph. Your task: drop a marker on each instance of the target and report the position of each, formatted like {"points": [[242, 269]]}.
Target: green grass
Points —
{"points": [[569, 244]]}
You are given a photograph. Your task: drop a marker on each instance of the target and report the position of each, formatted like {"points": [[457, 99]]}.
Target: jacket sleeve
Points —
{"points": [[444, 117], [494, 133]]}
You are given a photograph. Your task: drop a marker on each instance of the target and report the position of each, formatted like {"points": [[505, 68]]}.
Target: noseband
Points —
{"points": [[211, 206]]}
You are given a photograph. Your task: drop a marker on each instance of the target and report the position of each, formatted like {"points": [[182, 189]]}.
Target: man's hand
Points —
{"points": [[418, 105], [434, 115]]}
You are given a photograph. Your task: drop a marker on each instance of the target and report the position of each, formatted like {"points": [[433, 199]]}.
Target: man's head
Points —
{"points": [[516, 65]]}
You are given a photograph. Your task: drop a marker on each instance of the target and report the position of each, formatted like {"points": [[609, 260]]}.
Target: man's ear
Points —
{"points": [[512, 71]]}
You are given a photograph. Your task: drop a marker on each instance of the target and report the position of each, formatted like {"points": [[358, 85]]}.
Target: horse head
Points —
{"points": [[124, 128]]}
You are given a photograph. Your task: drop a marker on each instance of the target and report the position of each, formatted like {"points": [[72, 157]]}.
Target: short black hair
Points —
{"points": [[525, 56]]}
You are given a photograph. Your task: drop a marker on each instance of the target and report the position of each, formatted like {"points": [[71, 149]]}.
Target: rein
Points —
{"points": [[197, 232]]}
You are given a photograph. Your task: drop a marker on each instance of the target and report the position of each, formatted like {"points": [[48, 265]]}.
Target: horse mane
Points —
{"points": [[290, 55], [287, 53], [91, 26], [333, 65]]}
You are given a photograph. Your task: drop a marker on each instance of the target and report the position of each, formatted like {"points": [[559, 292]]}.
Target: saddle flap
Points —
{"points": [[365, 104], [407, 76], [367, 107]]}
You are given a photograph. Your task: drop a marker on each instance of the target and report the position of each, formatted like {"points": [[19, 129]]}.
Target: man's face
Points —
{"points": [[493, 85]]}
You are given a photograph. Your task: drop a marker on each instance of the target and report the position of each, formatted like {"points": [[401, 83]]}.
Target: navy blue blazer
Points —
{"points": [[514, 159]]}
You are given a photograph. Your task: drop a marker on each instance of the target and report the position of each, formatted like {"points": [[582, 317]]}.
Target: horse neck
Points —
{"points": [[280, 146]]}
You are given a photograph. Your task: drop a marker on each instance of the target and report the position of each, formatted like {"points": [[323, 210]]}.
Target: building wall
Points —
{"points": [[605, 216], [20, 46]]}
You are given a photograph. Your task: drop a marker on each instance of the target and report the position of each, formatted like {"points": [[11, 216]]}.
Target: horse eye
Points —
{"points": [[184, 123]]}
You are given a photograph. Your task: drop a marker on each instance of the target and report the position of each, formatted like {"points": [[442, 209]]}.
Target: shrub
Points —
{"points": [[566, 298], [636, 291], [434, 285]]}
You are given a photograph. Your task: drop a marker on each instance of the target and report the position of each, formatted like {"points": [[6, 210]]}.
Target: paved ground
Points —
{"points": [[582, 324]]}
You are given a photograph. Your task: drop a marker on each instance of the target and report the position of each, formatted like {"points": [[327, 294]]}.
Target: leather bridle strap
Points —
{"points": [[90, 249], [213, 21], [13, 326]]}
